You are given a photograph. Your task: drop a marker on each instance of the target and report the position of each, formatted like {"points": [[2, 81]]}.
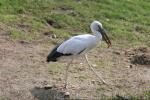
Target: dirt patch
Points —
{"points": [[142, 59], [47, 93], [140, 55], [23, 68]]}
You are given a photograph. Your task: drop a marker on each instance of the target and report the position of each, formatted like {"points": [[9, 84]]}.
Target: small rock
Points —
{"points": [[107, 19], [81, 63], [94, 65]]}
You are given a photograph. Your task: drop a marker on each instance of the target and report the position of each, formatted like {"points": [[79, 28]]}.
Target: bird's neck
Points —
{"points": [[98, 35]]}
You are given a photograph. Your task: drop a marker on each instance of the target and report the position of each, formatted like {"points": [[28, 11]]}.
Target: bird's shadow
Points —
{"points": [[48, 93]]}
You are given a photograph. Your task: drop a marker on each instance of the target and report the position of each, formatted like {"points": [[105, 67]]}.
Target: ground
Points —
{"points": [[24, 72], [29, 29]]}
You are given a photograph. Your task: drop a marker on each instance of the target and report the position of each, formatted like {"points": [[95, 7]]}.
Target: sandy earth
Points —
{"points": [[24, 73]]}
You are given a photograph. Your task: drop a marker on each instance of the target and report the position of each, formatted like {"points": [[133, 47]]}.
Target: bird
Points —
{"points": [[80, 45]]}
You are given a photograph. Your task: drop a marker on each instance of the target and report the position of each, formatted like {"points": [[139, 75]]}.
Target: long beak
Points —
{"points": [[105, 37]]}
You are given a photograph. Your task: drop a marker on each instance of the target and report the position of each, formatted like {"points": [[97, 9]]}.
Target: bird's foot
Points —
{"points": [[67, 95]]}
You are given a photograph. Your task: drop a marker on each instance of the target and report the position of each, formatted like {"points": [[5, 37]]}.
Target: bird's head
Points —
{"points": [[96, 27]]}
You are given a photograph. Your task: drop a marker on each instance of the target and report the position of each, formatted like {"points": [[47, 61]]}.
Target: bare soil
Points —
{"points": [[24, 72], [141, 56]]}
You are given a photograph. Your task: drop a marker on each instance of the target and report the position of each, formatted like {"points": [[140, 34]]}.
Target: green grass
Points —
{"points": [[15, 34], [122, 19], [21, 35], [55, 68]]}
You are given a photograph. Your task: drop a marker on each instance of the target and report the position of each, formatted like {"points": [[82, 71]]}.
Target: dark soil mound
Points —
{"points": [[142, 59], [140, 55]]}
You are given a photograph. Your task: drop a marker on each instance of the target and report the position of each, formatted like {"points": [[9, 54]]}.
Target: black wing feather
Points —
{"points": [[54, 54]]}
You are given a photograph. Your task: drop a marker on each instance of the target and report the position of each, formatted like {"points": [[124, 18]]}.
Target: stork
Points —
{"points": [[80, 45]]}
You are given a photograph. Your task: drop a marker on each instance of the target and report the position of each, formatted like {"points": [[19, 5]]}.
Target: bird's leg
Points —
{"points": [[66, 73], [91, 67]]}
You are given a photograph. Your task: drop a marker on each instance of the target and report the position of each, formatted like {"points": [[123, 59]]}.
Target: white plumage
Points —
{"points": [[80, 45]]}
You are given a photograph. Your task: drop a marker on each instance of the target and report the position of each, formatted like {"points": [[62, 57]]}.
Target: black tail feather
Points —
{"points": [[54, 55]]}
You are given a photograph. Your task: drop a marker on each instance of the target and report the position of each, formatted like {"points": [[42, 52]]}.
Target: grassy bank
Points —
{"points": [[127, 22]]}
